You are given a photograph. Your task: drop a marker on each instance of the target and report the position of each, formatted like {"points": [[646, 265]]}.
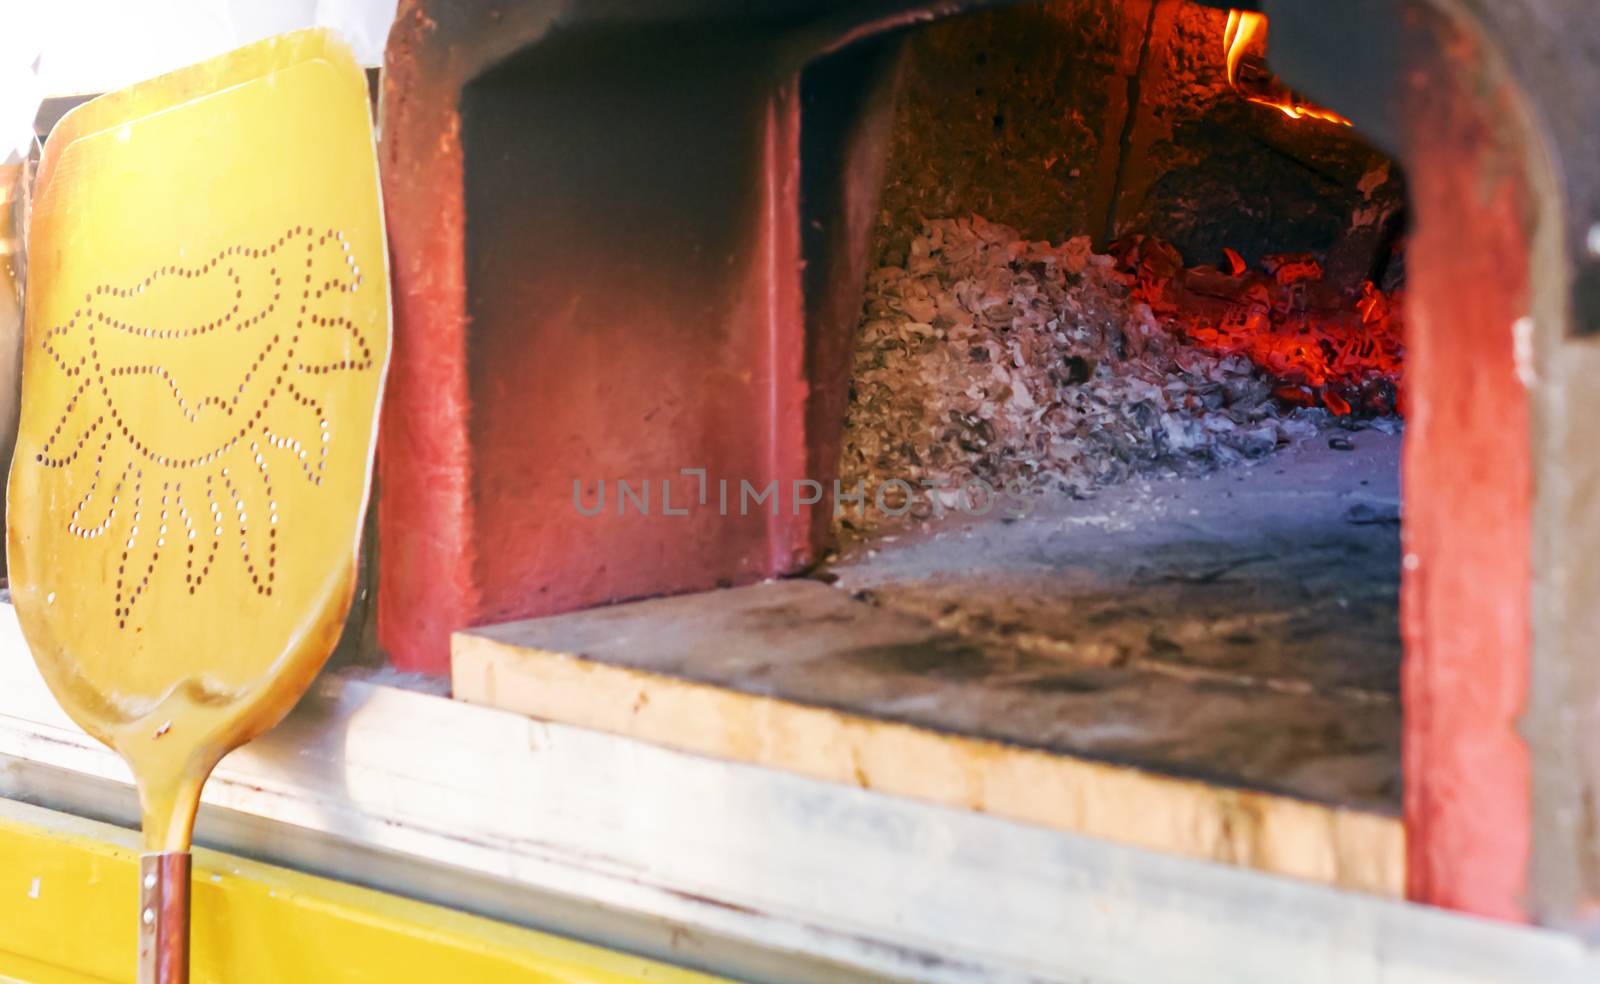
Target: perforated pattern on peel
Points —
{"points": [[147, 492]]}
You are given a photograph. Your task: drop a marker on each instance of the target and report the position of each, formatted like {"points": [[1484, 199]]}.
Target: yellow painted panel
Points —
{"points": [[67, 899], [20, 970]]}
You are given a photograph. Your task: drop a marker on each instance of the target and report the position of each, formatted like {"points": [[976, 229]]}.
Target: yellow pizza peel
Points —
{"points": [[205, 340]]}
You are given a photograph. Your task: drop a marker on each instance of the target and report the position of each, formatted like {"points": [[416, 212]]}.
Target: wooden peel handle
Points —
{"points": [[164, 918]]}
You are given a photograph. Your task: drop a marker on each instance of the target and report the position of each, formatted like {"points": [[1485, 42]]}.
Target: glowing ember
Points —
{"points": [[1244, 30], [1321, 345]]}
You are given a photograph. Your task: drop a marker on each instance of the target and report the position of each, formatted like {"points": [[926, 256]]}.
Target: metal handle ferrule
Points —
{"points": [[164, 918]]}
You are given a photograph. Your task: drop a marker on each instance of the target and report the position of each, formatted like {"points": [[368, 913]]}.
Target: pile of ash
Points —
{"points": [[1033, 367]]}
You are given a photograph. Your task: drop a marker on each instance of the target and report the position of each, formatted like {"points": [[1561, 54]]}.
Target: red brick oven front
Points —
{"points": [[626, 242]]}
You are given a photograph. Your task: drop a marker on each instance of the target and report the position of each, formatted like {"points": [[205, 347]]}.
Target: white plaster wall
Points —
{"points": [[62, 47]]}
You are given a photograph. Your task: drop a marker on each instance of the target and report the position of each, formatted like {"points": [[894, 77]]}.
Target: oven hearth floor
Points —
{"points": [[1203, 665], [1240, 626]]}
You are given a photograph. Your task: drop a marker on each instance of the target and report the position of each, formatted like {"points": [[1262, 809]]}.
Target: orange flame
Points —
{"points": [[1244, 28]]}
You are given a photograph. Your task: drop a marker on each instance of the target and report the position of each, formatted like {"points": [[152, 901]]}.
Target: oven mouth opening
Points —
{"points": [[1126, 399]]}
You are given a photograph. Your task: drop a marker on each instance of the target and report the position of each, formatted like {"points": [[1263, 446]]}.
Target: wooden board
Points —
{"points": [[801, 676]]}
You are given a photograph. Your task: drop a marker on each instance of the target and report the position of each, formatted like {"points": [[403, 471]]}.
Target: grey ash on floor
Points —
{"points": [[1239, 626]]}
